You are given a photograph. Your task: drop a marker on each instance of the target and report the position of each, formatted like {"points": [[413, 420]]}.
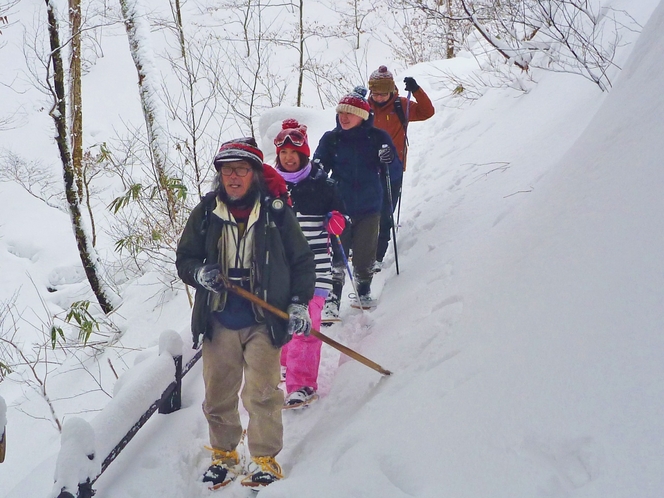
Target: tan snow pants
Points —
{"points": [[226, 357]]}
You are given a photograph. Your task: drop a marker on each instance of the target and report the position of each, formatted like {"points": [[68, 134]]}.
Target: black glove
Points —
{"points": [[299, 321], [385, 154], [411, 84], [208, 276]]}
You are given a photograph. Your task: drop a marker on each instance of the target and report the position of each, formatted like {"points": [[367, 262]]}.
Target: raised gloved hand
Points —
{"points": [[385, 154], [411, 84], [299, 321], [335, 223], [208, 276]]}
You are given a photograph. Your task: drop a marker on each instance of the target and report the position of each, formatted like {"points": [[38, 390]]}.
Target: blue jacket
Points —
{"points": [[352, 158]]}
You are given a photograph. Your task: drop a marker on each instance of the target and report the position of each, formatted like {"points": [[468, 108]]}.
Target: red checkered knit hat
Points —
{"points": [[293, 135], [240, 149], [382, 81], [355, 103]]}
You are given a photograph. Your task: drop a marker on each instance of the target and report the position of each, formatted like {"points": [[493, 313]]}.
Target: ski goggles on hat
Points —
{"points": [[295, 137]]}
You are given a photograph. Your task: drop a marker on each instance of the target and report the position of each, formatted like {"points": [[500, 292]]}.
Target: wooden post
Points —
{"points": [[171, 399]]}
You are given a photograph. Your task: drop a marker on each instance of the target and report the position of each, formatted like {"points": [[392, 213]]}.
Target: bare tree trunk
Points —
{"points": [[190, 88], [358, 24], [75, 97], [301, 66], [520, 63], [450, 43], [147, 86], [59, 115]]}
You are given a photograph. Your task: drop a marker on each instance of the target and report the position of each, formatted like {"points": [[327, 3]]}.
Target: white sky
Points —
{"points": [[524, 331]]}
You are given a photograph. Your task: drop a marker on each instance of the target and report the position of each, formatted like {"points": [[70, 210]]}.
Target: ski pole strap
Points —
{"points": [[322, 337]]}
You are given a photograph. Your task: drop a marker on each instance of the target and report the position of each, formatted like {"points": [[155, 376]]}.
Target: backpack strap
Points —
{"points": [[398, 108], [209, 203]]}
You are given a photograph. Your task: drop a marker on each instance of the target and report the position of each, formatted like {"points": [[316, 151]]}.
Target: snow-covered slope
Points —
{"points": [[524, 330]]}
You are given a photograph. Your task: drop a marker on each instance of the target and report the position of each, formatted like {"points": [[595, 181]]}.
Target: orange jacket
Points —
{"points": [[386, 117]]}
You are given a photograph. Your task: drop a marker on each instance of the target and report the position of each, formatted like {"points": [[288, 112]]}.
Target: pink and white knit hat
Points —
{"points": [[355, 103]]}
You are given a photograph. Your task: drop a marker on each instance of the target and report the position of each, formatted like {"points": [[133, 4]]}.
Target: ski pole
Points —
{"points": [[281, 314], [350, 274], [394, 231], [405, 153]]}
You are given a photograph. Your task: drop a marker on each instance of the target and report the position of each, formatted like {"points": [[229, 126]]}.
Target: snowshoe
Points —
{"points": [[262, 472], [300, 398], [365, 302], [224, 469]]}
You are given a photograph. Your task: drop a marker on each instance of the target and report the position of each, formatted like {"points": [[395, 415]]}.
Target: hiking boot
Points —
{"points": [[330, 313], [377, 266], [224, 469], [300, 398], [262, 471], [363, 300]]}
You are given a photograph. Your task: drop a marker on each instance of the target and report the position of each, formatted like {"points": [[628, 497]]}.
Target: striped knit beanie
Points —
{"points": [[382, 81], [355, 103], [240, 149]]}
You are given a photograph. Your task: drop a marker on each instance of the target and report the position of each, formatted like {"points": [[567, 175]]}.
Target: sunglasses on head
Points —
{"points": [[294, 136]]}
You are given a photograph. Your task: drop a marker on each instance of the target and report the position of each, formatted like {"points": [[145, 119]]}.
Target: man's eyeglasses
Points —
{"points": [[295, 137], [240, 171], [380, 95]]}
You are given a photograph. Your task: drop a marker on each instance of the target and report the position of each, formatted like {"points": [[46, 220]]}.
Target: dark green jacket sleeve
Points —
{"points": [[191, 251]]}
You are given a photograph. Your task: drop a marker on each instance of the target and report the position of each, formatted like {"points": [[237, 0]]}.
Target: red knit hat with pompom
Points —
{"points": [[293, 135]]}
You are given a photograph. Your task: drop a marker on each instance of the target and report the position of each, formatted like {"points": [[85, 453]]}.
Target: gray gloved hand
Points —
{"points": [[385, 154], [208, 277], [299, 321]]}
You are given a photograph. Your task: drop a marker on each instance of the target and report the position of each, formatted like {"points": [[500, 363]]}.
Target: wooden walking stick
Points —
{"points": [[281, 314]]}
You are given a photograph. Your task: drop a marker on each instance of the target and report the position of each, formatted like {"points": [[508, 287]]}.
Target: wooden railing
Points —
{"points": [[170, 401]]}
